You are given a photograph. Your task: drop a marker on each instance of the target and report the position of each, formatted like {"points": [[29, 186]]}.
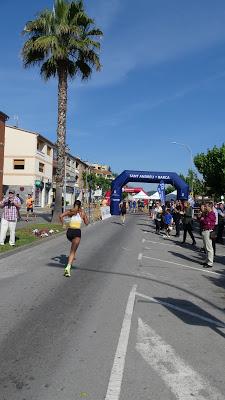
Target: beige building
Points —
{"points": [[28, 164], [74, 182]]}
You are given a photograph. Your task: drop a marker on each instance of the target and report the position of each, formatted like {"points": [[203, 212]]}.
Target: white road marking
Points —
{"points": [[164, 244], [115, 381], [125, 248], [143, 240], [147, 274], [204, 270], [182, 379], [183, 310], [140, 255]]}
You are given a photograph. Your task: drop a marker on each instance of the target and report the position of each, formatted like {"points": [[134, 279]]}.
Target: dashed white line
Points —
{"points": [[115, 381], [182, 379], [185, 266], [140, 255], [164, 244]]}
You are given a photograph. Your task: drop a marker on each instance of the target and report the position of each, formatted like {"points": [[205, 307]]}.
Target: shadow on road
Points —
{"points": [[220, 281], [189, 313], [62, 257], [198, 259]]}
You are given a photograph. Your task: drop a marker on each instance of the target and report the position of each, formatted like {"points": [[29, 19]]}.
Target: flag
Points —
{"points": [[162, 192]]}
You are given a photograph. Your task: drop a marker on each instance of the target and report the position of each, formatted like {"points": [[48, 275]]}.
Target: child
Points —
{"points": [[168, 219]]}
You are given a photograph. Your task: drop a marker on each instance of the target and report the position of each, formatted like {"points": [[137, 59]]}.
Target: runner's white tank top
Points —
{"points": [[75, 221]]}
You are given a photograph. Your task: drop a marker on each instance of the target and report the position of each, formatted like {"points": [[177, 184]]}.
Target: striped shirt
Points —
{"points": [[10, 213]]}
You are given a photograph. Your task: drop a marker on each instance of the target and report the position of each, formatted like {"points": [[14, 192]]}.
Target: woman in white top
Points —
{"points": [[77, 216]]}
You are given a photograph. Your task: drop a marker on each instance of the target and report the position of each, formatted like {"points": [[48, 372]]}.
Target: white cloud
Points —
{"points": [[159, 32]]}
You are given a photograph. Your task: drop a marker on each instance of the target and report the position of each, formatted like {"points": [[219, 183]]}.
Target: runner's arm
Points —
{"points": [[64, 214], [85, 218]]}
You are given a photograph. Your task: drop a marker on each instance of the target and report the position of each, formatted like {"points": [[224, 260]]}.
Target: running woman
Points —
{"points": [[77, 215]]}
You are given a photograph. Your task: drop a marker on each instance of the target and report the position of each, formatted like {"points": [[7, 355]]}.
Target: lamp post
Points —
{"points": [[191, 156]]}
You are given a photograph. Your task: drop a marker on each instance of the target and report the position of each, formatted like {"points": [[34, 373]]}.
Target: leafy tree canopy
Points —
{"points": [[212, 166]]}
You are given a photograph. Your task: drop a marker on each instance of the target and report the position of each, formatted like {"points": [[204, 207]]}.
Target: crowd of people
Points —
{"points": [[180, 216]]}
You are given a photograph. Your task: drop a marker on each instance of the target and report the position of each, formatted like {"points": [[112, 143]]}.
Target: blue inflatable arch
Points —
{"points": [[148, 177]]}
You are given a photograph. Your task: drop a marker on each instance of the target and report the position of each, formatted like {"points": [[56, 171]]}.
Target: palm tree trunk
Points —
{"points": [[61, 142]]}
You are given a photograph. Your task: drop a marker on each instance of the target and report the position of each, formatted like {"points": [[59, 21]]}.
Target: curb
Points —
{"points": [[27, 246], [38, 242]]}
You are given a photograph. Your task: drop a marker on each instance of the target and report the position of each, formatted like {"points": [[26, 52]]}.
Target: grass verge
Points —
{"points": [[25, 235]]}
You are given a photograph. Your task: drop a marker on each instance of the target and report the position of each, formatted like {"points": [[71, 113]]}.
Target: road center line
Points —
{"points": [[140, 255], [183, 310], [182, 379], [115, 381], [164, 244], [185, 266]]}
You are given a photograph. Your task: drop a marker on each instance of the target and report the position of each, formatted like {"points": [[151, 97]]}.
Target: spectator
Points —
{"points": [[157, 216], [10, 205], [208, 221], [221, 219], [187, 222], [21, 201], [177, 217], [168, 219]]}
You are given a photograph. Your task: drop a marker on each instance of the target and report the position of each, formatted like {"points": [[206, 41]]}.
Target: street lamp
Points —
{"points": [[192, 160]]}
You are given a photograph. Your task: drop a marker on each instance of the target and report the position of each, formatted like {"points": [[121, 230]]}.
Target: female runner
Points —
{"points": [[77, 215]]}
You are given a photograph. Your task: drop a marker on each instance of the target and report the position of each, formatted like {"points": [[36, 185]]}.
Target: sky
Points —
{"points": [[162, 80]]}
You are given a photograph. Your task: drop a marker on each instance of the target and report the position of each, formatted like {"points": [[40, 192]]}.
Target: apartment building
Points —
{"points": [[28, 164], [100, 167], [102, 171], [74, 182]]}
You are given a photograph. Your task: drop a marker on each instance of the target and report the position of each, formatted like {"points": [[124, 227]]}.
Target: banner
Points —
{"points": [[162, 192], [105, 212]]}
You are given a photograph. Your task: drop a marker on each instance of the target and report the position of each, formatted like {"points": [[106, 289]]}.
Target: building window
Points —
{"points": [[40, 145], [18, 164], [41, 167], [48, 150]]}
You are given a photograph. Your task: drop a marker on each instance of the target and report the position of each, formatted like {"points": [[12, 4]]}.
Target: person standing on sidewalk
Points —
{"points": [[221, 223], [187, 222], [157, 216], [30, 206], [11, 206], [177, 217], [77, 216], [208, 221]]}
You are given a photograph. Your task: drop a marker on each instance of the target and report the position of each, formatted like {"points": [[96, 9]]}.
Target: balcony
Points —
{"points": [[40, 153]]}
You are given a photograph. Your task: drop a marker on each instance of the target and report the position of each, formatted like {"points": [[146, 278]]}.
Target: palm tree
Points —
{"points": [[63, 42]]}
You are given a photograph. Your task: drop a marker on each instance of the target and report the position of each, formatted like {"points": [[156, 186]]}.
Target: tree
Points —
{"points": [[169, 189], [192, 180], [212, 166], [63, 43]]}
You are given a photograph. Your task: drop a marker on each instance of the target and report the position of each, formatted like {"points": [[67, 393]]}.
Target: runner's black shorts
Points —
{"points": [[73, 233], [30, 209]]}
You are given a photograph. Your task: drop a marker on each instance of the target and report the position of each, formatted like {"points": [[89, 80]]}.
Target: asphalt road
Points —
{"points": [[139, 319]]}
